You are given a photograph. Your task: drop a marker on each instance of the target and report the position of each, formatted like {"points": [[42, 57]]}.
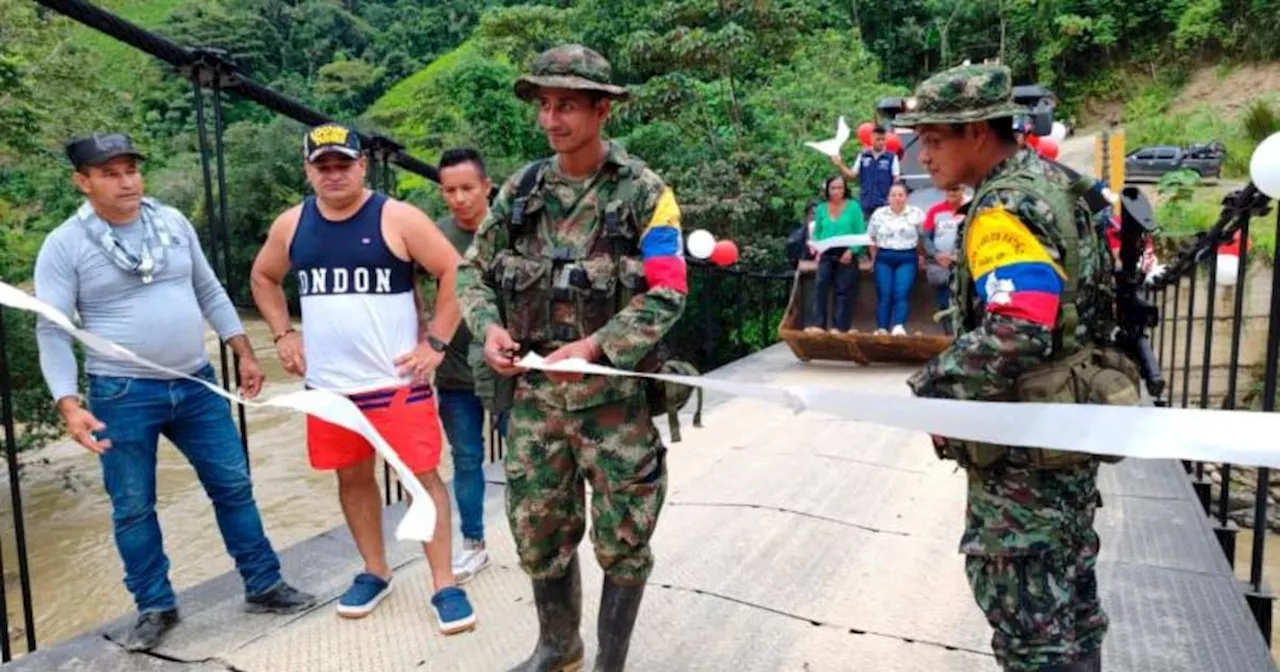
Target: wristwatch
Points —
{"points": [[436, 344]]}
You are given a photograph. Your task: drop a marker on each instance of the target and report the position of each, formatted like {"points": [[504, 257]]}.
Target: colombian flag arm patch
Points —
{"points": [[1012, 270], [662, 246]]}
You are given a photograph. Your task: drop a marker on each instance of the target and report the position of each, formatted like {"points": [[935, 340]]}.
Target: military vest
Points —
{"points": [[551, 295], [555, 295], [1085, 367]]}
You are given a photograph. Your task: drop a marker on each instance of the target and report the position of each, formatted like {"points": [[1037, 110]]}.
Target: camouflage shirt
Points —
{"points": [[1013, 252], [565, 213]]}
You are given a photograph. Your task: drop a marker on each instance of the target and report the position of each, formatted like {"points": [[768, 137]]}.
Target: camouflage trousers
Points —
{"points": [[552, 455], [1031, 556]]}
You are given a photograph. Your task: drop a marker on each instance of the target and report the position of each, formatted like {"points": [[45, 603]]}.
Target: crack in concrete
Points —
{"points": [[828, 456], [867, 528], [175, 659], [824, 624]]}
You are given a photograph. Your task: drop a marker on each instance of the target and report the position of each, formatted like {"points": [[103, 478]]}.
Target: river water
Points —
{"points": [[76, 574]]}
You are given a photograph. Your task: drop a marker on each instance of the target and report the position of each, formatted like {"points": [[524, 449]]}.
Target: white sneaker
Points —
{"points": [[899, 330], [881, 332], [469, 561]]}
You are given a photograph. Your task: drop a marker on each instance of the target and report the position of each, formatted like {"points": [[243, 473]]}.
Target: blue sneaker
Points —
{"points": [[453, 611], [364, 594]]}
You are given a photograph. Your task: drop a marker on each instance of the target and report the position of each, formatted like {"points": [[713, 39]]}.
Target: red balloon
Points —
{"points": [[725, 253], [1033, 140], [892, 142], [1048, 148], [864, 133]]}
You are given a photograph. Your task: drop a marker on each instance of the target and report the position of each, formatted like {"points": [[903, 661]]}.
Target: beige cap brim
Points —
{"points": [[911, 119], [528, 85]]}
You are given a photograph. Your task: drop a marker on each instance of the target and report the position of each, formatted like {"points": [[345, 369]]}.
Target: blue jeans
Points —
{"points": [[844, 277], [895, 273], [462, 415], [136, 412]]}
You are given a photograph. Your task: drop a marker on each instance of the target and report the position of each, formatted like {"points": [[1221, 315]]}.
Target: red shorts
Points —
{"points": [[405, 417]]}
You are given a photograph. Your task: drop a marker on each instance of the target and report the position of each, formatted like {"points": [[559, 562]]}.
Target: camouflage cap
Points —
{"points": [[569, 66], [962, 95]]}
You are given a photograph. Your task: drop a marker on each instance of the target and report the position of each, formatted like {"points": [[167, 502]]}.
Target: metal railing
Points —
{"points": [[213, 74], [1178, 325]]}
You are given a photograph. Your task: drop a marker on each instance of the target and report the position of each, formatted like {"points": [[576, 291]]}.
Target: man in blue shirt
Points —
{"points": [[875, 170], [133, 270]]}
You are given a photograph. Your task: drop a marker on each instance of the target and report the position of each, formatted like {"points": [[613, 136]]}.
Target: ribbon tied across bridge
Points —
{"points": [[1125, 431]]}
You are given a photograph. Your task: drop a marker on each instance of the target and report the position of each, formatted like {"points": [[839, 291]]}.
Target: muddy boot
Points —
{"points": [[618, 607], [559, 601]]}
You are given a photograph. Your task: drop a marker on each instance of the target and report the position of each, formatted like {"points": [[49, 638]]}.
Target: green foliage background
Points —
{"points": [[725, 93]]}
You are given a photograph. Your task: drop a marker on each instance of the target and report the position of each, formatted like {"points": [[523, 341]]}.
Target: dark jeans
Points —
{"points": [[895, 273], [136, 412], [944, 296], [845, 278], [462, 415]]}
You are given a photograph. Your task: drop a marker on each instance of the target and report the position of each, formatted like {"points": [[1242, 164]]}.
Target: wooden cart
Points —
{"points": [[925, 337]]}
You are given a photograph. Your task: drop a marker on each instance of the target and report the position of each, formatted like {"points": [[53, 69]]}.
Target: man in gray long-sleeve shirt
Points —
{"points": [[134, 271]]}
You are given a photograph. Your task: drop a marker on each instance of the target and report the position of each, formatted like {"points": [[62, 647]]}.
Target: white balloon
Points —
{"points": [[1059, 132], [1228, 267], [701, 244], [1264, 167]]}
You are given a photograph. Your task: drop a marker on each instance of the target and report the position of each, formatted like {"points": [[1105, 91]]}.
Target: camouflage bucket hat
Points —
{"points": [[569, 66], [961, 95]]}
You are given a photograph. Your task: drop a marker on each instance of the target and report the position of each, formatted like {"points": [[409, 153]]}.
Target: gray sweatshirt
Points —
{"points": [[162, 321]]}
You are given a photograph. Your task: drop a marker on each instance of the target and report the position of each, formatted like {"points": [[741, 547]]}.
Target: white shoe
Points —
{"points": [[899, 330], [881, 332], [469, 561]]}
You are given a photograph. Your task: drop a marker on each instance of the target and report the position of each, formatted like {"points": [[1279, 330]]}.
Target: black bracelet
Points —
{"points": [[286, 332]]}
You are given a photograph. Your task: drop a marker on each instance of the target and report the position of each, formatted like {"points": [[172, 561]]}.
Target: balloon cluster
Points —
{"points": [[1048, 146], [892, 142], [703, 245]]}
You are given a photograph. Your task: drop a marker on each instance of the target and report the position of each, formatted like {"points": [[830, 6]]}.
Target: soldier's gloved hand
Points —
{"points": [[500, 351], [585, 349]]}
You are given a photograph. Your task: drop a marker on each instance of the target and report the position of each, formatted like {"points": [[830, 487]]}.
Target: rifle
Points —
{"points": [[1237, 207], [1134, 315]]}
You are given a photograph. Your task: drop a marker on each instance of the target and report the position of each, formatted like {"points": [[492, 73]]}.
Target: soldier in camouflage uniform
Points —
{"points": [[580, 257], [1031, 289]]}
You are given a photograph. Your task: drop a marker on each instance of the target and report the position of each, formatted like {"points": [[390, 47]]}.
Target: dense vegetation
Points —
{"points": [[724, 92]]}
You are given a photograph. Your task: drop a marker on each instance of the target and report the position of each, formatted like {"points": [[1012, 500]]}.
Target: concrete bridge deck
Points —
{"points": [[788, 543]]}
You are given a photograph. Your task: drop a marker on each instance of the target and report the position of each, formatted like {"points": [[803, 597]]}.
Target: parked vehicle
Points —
{"points": [[1151, 162]]}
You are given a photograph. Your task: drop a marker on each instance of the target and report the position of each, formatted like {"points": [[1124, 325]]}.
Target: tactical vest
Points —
{"points": [[1093, 373], [551, 296]]}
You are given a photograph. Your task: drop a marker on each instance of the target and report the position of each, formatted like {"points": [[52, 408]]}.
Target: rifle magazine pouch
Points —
{"points": [[526, 285], [1091, 376], [599, 293]]}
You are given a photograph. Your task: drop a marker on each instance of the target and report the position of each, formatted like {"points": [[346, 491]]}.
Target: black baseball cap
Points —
{"points": [[99, 148], [327, 138]]}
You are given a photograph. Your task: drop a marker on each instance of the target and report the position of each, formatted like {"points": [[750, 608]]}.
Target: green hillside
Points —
{"points": [[121, 62]]}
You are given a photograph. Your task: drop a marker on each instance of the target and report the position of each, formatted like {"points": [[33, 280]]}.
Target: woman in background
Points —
{"points": [[941, 237], [836, 216], [896, 251]]}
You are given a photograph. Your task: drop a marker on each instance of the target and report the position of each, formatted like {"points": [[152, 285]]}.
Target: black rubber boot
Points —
{"points": [[559, 601], [618, 607], [1090, 663]]}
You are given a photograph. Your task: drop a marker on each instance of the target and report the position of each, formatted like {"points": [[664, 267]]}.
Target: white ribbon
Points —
{"points": [[419, 521], [1238, 437], [848, 240]]}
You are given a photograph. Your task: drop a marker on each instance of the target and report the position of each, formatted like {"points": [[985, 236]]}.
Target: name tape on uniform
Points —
{"points": [[419, 521], [1126, 431]]}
